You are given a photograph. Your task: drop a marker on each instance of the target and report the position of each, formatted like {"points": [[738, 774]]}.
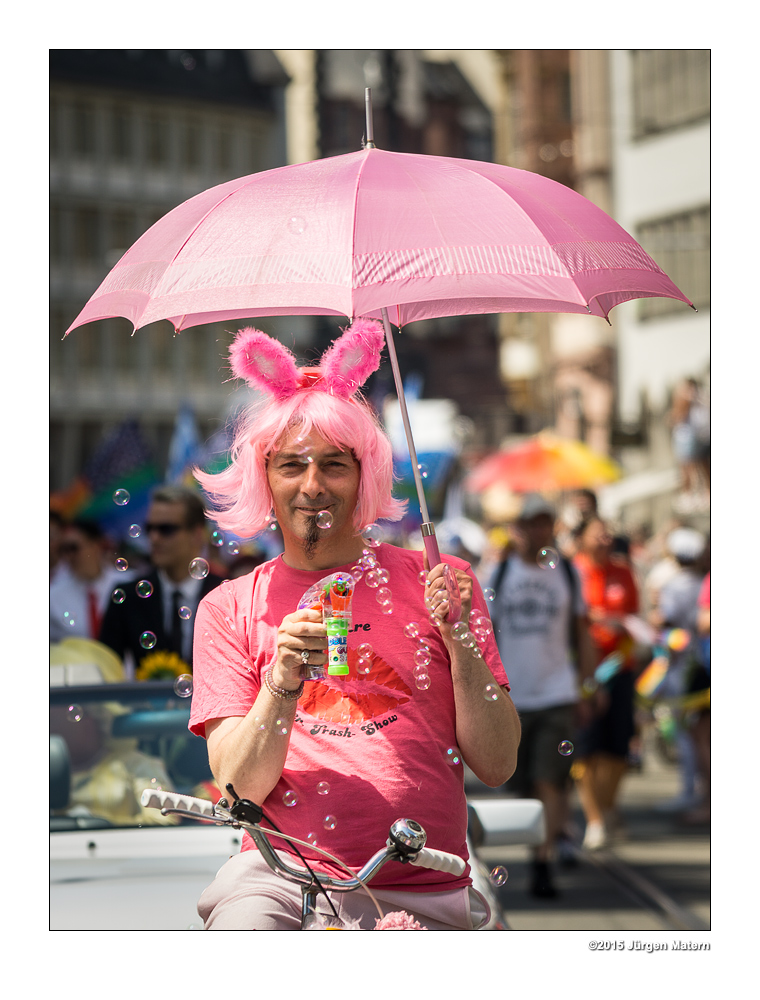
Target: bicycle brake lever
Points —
{"points": [[243, 808]]}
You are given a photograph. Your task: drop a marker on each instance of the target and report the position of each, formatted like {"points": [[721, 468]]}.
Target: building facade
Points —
{"points": [[133, 133]]}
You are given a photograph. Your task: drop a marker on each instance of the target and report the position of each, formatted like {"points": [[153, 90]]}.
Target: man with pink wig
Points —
{"points": [[334, 761]]}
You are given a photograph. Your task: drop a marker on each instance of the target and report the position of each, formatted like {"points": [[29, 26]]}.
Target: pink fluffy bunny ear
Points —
{"points": [[353, 357], [264, 363]]}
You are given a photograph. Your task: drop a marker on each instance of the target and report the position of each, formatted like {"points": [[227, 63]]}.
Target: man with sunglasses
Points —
{"points": [[81, 584], [176, 531]]}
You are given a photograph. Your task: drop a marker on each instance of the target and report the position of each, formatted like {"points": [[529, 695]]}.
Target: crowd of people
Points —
{"points": [[578, 617]]}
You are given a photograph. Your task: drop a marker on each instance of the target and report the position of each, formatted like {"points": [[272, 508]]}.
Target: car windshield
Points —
{"points": [[110, 741]]}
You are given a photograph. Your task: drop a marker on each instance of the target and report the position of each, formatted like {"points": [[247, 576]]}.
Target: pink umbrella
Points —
{"points": [[396, 236]]}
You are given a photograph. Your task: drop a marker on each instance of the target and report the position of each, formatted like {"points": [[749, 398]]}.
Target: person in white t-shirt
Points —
{"points": [[540, 626]]}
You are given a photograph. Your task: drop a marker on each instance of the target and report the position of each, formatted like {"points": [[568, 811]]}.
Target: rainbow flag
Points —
{"points": [[124, 462]]}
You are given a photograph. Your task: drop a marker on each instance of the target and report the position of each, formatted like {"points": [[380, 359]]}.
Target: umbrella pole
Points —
{"points": [[429, 540]]}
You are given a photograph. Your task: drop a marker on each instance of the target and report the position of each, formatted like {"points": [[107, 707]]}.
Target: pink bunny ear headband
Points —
{"points": [[268, 365]]}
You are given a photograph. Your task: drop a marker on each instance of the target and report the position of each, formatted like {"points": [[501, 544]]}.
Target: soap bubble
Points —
{"points": [[217, 539], [290, 798], [281, 727], [134, 531], [371, 579], [364, 665], [329, 823], [272, 526], [297, 225], [383, 575], [118, 596], [548, 558], [491, 692], [422, 577], [422, 657], [67, 619], [412, 630], [422, 682], [498, 876], [323, 788], [469, 641], [365, 650], [459, 631], [419, 669], [475, 651], [312, 839], [184, 612], [386, 609], [198, 569], [324, 519], [566, 748], [384, 596], [74, 713], [121, 498], [373, 535], [423, 470], [489, 593], [122, 565], [233, 547], [144, 588], [357, 572], [183, 686], [453, 756], [148, 640]]}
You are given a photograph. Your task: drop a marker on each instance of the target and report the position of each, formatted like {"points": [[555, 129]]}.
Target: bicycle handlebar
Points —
{"points": [[406, 841]]}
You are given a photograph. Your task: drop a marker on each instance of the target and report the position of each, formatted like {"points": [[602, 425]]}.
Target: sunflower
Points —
{"points": [[161, 666]]}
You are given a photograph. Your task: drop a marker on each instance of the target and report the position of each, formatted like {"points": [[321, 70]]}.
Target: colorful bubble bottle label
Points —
{"points": [[337, 643]]}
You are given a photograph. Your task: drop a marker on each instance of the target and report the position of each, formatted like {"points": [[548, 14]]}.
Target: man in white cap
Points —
{"points": [[540, 626]]}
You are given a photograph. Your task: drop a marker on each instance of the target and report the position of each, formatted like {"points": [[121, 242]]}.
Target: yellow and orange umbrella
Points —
{"points": [[544, 462]]}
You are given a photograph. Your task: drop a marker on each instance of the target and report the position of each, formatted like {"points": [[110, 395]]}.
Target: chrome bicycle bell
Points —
{"points": [[408, 836]]}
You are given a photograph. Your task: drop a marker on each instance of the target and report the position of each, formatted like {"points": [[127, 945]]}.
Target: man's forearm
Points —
{"points": [[251, 754], [488, 727]]}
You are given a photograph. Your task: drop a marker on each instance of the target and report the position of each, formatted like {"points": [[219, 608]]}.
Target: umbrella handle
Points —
{"points": [[428, 530]]}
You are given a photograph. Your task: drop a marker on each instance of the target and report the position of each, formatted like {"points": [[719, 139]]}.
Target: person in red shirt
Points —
{"points": [[610, 592]]}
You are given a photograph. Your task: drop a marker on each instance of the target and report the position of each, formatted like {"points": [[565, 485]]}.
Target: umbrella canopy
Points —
{"points": [[421, 236], [544, 462]]}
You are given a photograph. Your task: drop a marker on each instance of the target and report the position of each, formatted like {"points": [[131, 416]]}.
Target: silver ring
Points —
{"points": [[304, 656]]}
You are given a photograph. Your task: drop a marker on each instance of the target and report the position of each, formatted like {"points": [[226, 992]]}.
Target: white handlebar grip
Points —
{"points": [[440, 861], [153, 798]]}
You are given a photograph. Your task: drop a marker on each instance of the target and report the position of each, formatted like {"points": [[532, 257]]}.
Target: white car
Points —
{"points": [[119, 866]]}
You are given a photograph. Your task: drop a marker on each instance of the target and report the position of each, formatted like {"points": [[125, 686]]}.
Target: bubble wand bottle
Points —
{"points": [[332, 596]]}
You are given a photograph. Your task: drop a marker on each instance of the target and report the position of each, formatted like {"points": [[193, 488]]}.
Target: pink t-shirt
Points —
{"points": [[377, 741]]}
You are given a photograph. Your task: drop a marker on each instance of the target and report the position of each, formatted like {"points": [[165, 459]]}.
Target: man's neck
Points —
{"points": [[323, 557], [177, 574]]}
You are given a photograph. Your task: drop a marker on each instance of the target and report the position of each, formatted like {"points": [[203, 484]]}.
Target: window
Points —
{"points": [[680, 245], [671, 87], [224, 150], [83, 131], [120, 138], [157, 142], [86, 236], [122, 228], [191, 146]]}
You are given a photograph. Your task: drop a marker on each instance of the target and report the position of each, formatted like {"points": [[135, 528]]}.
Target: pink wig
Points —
{"points": [[324, 399]]}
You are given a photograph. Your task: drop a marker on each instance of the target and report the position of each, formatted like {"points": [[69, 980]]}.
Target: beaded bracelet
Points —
{"points": [[278, 692]]}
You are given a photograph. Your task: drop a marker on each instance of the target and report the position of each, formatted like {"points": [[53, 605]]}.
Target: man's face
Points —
{"points": [[83, 554], [597, 541], [309, 476], [534, 534], [172, 544]]}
